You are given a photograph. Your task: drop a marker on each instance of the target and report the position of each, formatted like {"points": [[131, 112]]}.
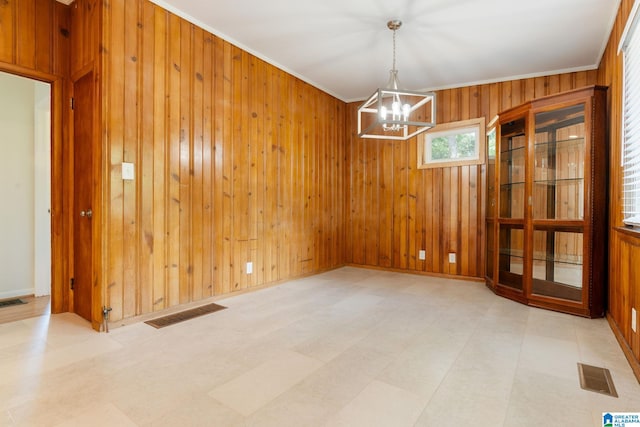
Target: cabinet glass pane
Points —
{"points": [[557, 264], [490, 250], [558, 190], [512, 169], [510, 264], [491, 173]]}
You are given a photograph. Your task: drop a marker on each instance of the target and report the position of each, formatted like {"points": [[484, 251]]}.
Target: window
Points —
{"points": [[630, 45], [452, 144]]}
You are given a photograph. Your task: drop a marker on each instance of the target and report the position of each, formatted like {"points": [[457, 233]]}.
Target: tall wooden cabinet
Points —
{"points": [[547, 203]]}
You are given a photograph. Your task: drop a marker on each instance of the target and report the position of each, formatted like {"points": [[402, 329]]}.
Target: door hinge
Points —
{"points": [[72, 103], [72, 281]]}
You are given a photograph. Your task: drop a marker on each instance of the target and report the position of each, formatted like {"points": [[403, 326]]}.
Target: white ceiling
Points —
{"points": [[345, 48]]}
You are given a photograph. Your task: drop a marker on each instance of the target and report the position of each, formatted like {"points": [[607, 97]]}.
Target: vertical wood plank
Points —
{"points": [[115, 143], [286, 184], [173, 156], [197, 168], [184, 161], [516, 93], [145, 155], [129, 117], [358, 203], [59, 41], [400, 207], [370, 203], [476, 223], [271, 149], [209, 168], [427, 194], [412, 205], [160, 143], [385, 185], [26, 24], [256, 169], [464, 219], [8, 31]]}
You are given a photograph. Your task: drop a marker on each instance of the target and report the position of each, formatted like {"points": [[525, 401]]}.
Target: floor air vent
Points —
{"points": [[8, 303], [596, 379], [171, 319]]}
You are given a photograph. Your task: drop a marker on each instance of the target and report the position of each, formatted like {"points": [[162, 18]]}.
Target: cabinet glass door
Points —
{"points": [[512, 168], [558, 189], [491, 173], [557, 264], [491, 203], [511, 257], [558, 195]]}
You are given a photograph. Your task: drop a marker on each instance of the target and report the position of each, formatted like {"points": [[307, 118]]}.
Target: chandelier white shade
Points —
{"points": [[394, 113]]}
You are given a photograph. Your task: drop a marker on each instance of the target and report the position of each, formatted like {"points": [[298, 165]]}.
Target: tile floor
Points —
{"points": [[350, 347]]}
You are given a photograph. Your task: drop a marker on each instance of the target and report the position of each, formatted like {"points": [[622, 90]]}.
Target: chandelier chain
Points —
{"points": [[394, 49]]}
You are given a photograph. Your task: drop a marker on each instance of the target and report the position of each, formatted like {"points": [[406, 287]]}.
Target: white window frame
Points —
{"points": [[475, 126], [630, 147]]}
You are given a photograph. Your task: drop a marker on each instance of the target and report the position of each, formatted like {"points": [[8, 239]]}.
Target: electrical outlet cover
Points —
{"points": [[128, 173], [422, 255], [452, 258]]}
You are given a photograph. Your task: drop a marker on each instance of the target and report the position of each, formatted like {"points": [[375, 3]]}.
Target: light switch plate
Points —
{"points": [[128, 173], [452, 258], [422, 255]]}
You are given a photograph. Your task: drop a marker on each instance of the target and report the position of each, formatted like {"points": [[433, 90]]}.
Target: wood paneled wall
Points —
{"points": [[34, 36], [235, 162], [395, 209], [624, 244], [85, 35], [34, 42]]}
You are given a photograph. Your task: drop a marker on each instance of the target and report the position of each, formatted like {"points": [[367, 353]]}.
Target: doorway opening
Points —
{"points": [[25, 189]]}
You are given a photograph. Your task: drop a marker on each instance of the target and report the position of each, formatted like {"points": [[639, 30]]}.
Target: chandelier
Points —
{"points": [[394, 113]]}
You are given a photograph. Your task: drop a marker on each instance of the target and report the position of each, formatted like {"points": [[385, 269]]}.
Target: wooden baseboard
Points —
{"points": [[628, 353], [417, 272]]}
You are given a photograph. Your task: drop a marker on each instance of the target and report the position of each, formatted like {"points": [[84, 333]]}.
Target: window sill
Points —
{"points": [[629, 231]]}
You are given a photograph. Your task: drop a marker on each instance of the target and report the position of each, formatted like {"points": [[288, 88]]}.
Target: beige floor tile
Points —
{"points": [[538, 398], [339, 381], [550, 356], [294, 408], [102, 415], [197, 410], [450, 407], [17, 368], [255, 388], [351, 346], [423, 365], [380, 404]]}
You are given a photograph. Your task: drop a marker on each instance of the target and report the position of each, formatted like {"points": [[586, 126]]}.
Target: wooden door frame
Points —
{"points": [[60, 243], [62, 188], [96, 202]]}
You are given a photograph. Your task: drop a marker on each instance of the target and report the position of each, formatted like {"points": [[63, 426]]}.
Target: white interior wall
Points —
{"points": [[42, 189], [24, 166]]}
